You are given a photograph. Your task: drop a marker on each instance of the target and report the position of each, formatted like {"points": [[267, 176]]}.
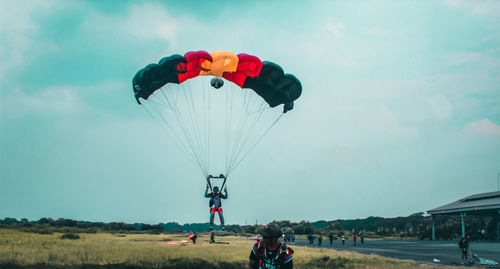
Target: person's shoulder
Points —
{"points": [[287, 253], [286, 249], [256, 247]]}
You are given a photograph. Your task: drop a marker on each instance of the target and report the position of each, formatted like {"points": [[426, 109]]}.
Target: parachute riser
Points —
{"points": [[223, 182]]}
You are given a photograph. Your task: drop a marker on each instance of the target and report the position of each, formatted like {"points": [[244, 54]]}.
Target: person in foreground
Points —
{"points": [[270, 253]]}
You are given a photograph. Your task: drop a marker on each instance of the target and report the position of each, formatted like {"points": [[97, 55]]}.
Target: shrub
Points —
{"points": [[71, 236]]}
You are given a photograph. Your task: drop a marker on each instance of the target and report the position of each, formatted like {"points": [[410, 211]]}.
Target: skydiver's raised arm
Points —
{"points": [[207, 195], [224, 196]]}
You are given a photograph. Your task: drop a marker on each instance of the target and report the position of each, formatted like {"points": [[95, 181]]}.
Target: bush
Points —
{"points": [[71, 236]]}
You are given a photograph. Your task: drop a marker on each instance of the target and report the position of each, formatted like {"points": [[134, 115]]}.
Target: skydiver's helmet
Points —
{"points": [[216, 189], [217, 82]]}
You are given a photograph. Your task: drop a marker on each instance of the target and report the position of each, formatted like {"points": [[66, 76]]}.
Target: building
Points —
{"points": [[483, 204]]}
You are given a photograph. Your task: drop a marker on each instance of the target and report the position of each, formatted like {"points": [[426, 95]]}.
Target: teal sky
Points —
{"points": [[400, 110]]}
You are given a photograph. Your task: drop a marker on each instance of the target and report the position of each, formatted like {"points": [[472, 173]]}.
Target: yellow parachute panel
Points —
{"points": [[222, 61]]}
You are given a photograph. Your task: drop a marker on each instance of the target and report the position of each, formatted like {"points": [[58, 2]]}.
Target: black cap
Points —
{"points": [[271, 231]]}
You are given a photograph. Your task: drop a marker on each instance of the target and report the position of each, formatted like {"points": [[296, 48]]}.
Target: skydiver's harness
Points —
{"points": [[271, 259], [212, 200]]}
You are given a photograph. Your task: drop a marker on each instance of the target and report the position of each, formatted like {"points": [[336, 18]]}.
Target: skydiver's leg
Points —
{"points": [[212, 216], [221, 216]]}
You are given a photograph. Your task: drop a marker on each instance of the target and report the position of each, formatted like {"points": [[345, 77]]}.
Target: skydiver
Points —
{"points": [[215, 203]]}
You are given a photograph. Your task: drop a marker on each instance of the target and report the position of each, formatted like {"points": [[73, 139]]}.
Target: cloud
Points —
{"points": [[150, 21], [55, 99], [441, 106], [388, 126], [485, 7], [16, 27], [463, 58], [336, 29], [376, 31], [483, 127]]}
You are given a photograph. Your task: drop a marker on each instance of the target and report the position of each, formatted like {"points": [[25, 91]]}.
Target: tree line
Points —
{"points": [[416, 226]]}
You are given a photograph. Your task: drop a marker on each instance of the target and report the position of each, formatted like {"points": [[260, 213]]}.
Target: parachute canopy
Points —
{"points": [[176, 92], [267, 79]]}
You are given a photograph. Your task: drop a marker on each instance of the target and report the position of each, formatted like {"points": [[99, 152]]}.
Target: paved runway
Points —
{"points": [[422, 251]]}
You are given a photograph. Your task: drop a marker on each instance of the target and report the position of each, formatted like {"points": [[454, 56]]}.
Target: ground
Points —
{"points": [[26, 250], [422, 251]]}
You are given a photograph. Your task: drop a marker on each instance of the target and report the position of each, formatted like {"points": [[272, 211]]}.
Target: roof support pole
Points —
{"points": [[462, 217], [497, 232], [433, 227]]}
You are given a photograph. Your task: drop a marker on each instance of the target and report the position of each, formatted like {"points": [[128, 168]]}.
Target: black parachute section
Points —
{"points": [[154, 76], [274, 86]]}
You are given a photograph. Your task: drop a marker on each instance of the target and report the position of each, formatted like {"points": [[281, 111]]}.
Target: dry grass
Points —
{"points": [[155, 251]]}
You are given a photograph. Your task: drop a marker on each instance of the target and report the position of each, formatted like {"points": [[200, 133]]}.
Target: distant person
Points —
{"points": [[343, 240], [320, 239], [212, 237], [463, 244], [270, 253], [354, 239], [216, 203], [193, 237], [310, 237], [362, 238], [293, 238], [330, 236]]}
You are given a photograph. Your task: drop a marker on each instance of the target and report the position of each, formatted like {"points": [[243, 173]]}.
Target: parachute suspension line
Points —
{"points": [[164, 124], [253, 146], [239, 130], [191, 133], [181, 122], [229, 119], [238, 133], [204, 132], [182, 126], [207, 117], [245, 129], [246, 136], [195, 120], [248, 130]]}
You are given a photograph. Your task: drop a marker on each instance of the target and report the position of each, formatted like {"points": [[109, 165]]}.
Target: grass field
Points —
{"points": [[103, 250]]}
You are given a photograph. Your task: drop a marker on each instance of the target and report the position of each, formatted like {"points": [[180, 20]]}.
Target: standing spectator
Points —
{"points": [[310, 237], [362, 237], [330, 236], [354, 238], [343, 240], [212, 237], [464, 246], [320, 239]]}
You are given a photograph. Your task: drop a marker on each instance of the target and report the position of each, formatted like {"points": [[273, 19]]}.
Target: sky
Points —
{"points": [[400, 109]]}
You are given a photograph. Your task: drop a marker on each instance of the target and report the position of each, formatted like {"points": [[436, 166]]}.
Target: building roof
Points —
{"points": [[483, 203]]}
